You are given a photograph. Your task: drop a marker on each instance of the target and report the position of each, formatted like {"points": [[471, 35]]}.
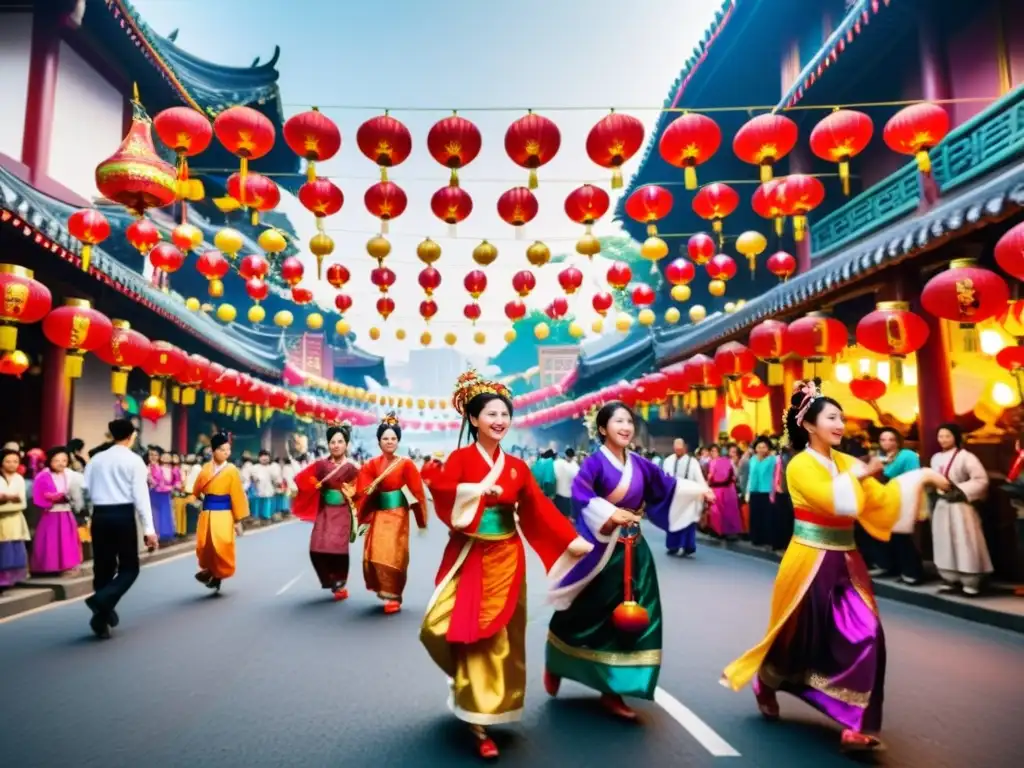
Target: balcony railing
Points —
{"points": [[986, 141]]}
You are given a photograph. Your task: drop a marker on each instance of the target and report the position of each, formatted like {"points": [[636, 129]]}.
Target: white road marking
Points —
{"points": [[696, 727], [290, 584], [143, 562]]}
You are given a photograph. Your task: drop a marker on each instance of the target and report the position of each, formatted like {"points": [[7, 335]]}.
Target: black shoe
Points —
{"points": [[214, 584], [673, 552], [113, 619], [689, 552], [110, 618], [99, 627]]}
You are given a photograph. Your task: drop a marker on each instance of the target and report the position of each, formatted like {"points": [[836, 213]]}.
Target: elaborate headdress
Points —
{"points": [[390, 419], [590, 422], [469, 385], [809, 390]]}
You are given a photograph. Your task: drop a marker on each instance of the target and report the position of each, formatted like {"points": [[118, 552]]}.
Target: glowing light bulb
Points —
{"points": [[1003, 395], [843, 373], [909, 375], [991, 342], [882, 371]]}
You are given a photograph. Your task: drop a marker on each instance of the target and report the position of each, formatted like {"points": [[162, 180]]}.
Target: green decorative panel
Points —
{"points": [[990, 139]]}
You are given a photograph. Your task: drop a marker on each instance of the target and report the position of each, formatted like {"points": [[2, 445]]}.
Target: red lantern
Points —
{"points": [[916, 129], [817, 338], [322, 198], [840, 136], [613, 141], [602, 302], [78, 328], [713, 203], [721, 267], [742, 433], [752, 388], [518, 206], [868, 388], [254, 191], [799, 195], [451, 205], [385, 306], [619, 275], [557, 309], [14, 363], [531, 141], [89, 227], [700, 247], [385, 141], [475, 283], [570, 279], [313, 137], [769, 341], [153, 409], [430, 280], [767, 203], [188, 132], [213, 266], [782, 265], [454, 142], [764, 140], [385, 200], [701, 375], [135, 176], [383, 278], [892, 330], [515, 310], [733, 360], [472, 312], [194, 375], [246, 133], [302, 296], [125, 350], [343, 303], [428, 309], [680, 272], [142, 235], [690, 140], [648, 204], [166, 258], [643, 295], [1009, 252], [523, 282], [257, 289], [338, 275], [253, 266], [292, 271], [965, 293], [165, 361]]}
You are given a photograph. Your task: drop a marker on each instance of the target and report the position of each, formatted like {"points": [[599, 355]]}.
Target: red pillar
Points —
{"points": [[935, 84], [42, 92], [56, 428], [180, 441], [720, 417], [934, 386]]}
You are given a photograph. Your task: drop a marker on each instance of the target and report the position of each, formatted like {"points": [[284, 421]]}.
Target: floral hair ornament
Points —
{"points": [[810, 393], [469, 385], [391, 419]]}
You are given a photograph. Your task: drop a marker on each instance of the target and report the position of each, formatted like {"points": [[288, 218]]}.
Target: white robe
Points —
{"points": [[958, 539]]}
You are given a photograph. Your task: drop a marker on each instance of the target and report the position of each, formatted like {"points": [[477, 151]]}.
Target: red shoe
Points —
{"points": [[855, 741], [392, 606], [340, 594], [616, 706], [551, 683], [766, 701]]}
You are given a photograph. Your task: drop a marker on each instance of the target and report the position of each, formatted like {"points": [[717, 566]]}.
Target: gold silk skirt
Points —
{"points": [[487, 679], [215, 543], [386, 553]]}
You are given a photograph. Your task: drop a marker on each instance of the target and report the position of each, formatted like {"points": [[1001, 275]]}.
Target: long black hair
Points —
{"points": [[798, 435], [955, 431], [605, 415], [476, 406]]}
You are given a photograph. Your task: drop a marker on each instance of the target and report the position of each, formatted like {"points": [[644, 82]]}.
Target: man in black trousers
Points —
{"points": [[116, 480]]}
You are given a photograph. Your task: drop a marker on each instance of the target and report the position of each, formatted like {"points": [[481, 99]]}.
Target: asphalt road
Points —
{"points": [[272, 673]]}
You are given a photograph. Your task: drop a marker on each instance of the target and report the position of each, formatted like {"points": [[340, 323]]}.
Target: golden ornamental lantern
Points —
{"points": [[541, 331], [228, 241], [342, 328], [672, 315], [588, 245], [256, 314], [485, 254], [450, 339], [428, 251], [697, 313], [538, 254], [510, 335], [226, 313], [321, 245], [378, 248], [426, 338], [272, 240]]}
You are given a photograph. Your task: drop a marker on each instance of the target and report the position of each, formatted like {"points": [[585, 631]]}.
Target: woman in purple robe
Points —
{"points": [[57, 547], [164, 479], [606, 631], [724, 514]]}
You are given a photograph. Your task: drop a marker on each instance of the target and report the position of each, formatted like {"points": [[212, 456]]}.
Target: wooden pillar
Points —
{"points": [[720, 416], [56, 426], [180, 438], [935, 84], [42, 92]]}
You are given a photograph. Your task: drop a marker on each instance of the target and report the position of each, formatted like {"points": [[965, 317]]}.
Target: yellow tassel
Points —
{"points": [[780, 224], [255, 217], [73, 364], [119, 382], [766, 172], [175, 394], [155, 387], [207, 402], [799, 226], [533, 182], [243, 171], [652, 229], [188, 396], [690, 177], [383, 173], [453, 180], [924, 162], [752, 263], [319, 267], [86, 257], [775, 378], [708, 398], [310, 172], [616, 178], [844, 176]]}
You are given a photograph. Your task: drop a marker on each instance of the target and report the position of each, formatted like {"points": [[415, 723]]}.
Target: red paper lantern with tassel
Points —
{"points": [[690, 140], [89, 227], [714, 202], [916, 129], [385, 200], [385, 141], [892, 330], [78, 328], [764, 140], [769, 341], [312, 136], [613, 141], [531, 142], [454, 142], [245, 133], [841, 136]]}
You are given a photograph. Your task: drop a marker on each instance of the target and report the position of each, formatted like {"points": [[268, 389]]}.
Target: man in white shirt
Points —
{"points": [[566, 470], [683, 466], [116, 480]]}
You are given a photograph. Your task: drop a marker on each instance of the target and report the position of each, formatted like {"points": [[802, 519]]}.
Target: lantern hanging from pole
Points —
{"points": [[965, 294], [188, 132], [764, 140], [585, 205], [385, 200], [892, 330], [192, 377], [126, 349], [454, 142], [768, 204], [451, 205], [135, 176], [245, 133], [517, 207], [734, 361], [78, 328], [89, 227], [800, 194], [690, 140], [613, 141], [385, 141], [769, 341], [647, 205], [531, 142], [841, 136], [24, 301], [312, 136], [782, 265], [915, 130], [817, 338], [680, 274], [714, 202]]}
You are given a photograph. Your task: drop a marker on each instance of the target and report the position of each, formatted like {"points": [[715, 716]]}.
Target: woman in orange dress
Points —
{"points": [[381, 504], [475, 626]]}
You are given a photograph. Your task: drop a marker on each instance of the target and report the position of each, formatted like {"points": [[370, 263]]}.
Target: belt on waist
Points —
{"points": [[823, 536], [113, 509], [333, 497], [217, 502], [496, 523], [720, 485], [390, 500]]}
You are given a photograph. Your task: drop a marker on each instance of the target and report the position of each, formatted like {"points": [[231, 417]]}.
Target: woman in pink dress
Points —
{"points": [[57, 547], [724, 513], [164, 479]]}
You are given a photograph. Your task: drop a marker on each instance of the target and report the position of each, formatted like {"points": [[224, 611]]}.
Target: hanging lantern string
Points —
{"points": [[508, 238], [706, 110]]}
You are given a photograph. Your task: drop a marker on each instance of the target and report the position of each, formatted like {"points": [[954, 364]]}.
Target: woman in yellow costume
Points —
{"points": [[219, 486], [475, 627], [825, 643], [382, 505]]}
